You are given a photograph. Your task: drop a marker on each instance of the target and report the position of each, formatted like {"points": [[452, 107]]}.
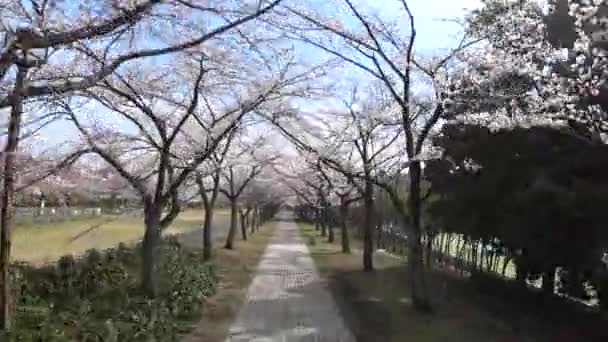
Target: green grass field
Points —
{"points": [[46, 242]]}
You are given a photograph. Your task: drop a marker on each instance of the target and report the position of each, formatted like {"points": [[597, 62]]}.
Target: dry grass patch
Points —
{"points": [[235, 270], [45, 242]]}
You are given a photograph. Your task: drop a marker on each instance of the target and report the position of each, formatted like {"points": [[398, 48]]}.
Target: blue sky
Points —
{"points": [[434, 34]]}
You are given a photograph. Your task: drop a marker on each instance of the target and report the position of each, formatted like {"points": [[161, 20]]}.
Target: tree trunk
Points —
{"points": [[506, 261], [233, 224], [253, 220], [258, 218], [207, 241], [420, 298], [151, 249], [429, 250], [368, 243], [249, 217], [549, 281], [6, 211], [243, 227], [323, 224], [330, 229], [345, 239], [521, 270]]}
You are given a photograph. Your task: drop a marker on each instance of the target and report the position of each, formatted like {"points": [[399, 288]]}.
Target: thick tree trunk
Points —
{"points": [[420, 298], [344, 231], [233, 225], [151, 249], [243, 227], [368, 243], [6, 211]]}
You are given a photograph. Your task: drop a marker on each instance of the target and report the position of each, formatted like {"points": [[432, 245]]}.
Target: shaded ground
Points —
{"points": [[45, 242], [376, 304], [287, 301], [234, 269]]}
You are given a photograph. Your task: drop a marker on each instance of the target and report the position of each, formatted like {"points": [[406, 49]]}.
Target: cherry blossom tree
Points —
{"points": [[208, 182], [385, 51], [50, 48], [246, 163], [163, 128]]}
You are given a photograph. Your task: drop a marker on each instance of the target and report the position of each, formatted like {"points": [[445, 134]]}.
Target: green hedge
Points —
{"points": [[97, 297]]}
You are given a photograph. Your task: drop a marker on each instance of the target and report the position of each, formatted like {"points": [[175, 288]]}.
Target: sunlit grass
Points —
{"points": [[45, 242], [235, 270]]}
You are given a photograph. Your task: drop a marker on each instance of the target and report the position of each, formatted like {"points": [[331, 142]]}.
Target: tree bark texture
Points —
{"points": [[343, 229], [420, 298], [8, 191], [368, 243], [151, 249], [233, 225]]}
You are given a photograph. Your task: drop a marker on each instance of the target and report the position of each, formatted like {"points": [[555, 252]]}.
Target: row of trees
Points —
{"points": [[496, 144], [157, 91]]}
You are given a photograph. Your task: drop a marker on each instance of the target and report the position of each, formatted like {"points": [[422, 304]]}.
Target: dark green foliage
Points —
{"points": [[536, 195], [98, 298]]}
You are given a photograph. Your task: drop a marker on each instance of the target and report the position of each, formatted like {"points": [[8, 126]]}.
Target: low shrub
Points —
{"points": [[97, 297]]}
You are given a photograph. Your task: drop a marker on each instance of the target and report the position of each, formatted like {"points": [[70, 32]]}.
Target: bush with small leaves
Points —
{"points": [[97, 298]]}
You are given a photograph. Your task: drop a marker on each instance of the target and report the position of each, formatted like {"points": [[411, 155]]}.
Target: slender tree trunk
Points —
{"points": [[249, 217], [330, 229], [420, 297], [345, 239], [368, 243], [233, 224], [506, 261], [209, 206], [460, 253], [243, 227], [151, 248], [429, 250], [253, 220], [207, 241], [549, 280], [323, 223], [6, 211], [258, 218]]}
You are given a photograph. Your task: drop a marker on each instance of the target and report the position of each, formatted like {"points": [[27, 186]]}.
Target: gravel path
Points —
{"points": [[287, 300]]}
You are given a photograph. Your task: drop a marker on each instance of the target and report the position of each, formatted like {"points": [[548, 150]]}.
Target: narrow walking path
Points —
{"points": [[287, 300]]}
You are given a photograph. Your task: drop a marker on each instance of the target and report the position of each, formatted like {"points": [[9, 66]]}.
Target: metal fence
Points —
{"points": [[42, 215]]}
